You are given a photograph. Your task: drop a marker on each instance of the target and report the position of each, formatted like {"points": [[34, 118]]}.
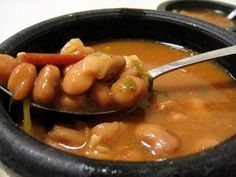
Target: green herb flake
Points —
{"points": [[127, 84], [141, 71]]}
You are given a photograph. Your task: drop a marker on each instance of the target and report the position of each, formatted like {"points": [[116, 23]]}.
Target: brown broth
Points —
{"points": [[205, 93]]}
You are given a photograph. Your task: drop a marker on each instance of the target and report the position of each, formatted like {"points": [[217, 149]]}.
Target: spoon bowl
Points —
{"points": [[153, 73]]}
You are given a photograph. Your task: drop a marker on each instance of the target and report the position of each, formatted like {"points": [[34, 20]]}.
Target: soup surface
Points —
{"points": [[209, 16], [189, 110]]}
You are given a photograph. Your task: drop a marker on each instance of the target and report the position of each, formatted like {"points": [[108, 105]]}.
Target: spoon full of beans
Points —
{"points": [[127, 90]]}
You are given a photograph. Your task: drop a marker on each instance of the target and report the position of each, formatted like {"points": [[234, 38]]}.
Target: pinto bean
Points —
{"points": [[101, 94], [66, 69], [158, 140], [46, 84], [204, 143], [107, 131], [117, 65], [68, 136], [67, 102], [77, 80], [63, 135], [129, 91], [97, 65], [129, 72], [7, 64], [168, 105], [22, 80]]}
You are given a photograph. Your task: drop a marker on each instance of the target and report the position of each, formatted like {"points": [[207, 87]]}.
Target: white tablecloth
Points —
{"points": [[16, 15]]}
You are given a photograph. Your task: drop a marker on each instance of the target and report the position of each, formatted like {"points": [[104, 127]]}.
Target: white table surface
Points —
{"points": [[16, 15]]}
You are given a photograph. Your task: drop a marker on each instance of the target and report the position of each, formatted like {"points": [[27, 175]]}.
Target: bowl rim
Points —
{"points": [[38, 156], [219, 6], [163, 6]]}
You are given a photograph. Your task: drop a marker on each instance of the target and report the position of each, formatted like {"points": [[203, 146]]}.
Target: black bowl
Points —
{"points": [[28, 157], [197, 5]]}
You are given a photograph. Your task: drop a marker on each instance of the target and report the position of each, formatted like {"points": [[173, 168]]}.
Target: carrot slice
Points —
{"points": [[53, 59]]}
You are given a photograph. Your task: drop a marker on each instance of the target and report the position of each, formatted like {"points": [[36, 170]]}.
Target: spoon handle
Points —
{"points": [[153, 73], [232, 14]]}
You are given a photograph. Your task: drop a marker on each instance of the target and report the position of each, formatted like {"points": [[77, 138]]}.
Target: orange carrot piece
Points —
{"points": [[53, 59]]}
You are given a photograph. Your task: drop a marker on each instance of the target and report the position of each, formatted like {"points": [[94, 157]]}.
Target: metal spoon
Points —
{"points": [[232, 14], [153, 73]]}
